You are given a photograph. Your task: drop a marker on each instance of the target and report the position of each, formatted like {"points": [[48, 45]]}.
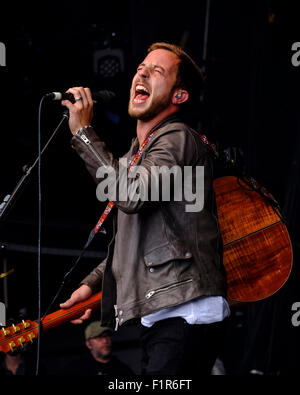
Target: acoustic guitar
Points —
{"points": [[257, 250], [257, 256]]}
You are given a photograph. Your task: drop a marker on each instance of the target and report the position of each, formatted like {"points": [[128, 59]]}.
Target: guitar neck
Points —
{"points": [[62, 316]]}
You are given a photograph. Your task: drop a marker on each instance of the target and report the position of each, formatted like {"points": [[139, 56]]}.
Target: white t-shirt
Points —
{"points": [[203, 310]]}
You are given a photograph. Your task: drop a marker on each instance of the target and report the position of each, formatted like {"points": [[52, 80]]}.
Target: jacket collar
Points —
{"points": [[172, 118]]}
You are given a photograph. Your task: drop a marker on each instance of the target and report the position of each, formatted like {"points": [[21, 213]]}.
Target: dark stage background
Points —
{"points": [[251, 104]]}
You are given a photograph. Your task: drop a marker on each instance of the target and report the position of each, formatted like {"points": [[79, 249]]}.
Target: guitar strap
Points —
{"points": [[250, 181], [111, 204]]}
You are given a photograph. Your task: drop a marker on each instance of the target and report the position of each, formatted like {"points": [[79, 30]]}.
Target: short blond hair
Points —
{"points": [[189, 74]]}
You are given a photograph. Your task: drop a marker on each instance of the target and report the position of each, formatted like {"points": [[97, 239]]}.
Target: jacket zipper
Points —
{"points": [[151, 293], [116, 317], [91, 148]]}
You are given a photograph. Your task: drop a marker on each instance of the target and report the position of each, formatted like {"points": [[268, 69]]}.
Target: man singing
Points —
{"points": [[164, 263]]}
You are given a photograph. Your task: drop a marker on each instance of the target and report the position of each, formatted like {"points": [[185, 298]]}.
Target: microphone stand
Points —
{"points": [[9, 200]]}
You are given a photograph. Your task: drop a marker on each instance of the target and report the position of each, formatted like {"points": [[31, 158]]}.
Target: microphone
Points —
{"points": [[101, 97]]}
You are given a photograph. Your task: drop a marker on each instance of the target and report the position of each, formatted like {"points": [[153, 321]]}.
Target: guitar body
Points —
{"points": [[257, 251]]}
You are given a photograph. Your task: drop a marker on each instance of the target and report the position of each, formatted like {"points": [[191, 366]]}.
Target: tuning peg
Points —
{"points": [[15, 328], [21, 340], [2, 275], [12, 345], [6, 332], [31, 336], [25, 324]]}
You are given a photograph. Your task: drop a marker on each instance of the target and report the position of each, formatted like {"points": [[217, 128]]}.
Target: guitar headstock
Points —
{"points": [[14, 337]]}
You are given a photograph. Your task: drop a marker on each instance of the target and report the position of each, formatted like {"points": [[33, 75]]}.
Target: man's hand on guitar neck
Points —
{"points": [[81, 294]]}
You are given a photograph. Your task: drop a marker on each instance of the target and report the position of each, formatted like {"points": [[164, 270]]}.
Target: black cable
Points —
{"points": [[39, 238]]}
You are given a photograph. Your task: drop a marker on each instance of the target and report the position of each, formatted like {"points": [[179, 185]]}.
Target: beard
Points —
{"points": [[151, 109], [104, 354]]}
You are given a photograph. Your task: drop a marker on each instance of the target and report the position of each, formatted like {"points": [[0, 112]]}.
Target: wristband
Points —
{"points": [[82, 128]]}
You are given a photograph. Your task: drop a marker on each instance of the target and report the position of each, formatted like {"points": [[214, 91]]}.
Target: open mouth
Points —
{"points": [[141, 94]]}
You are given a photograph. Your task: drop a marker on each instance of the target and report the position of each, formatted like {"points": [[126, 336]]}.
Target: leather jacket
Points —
{"points": [[160, 255]]}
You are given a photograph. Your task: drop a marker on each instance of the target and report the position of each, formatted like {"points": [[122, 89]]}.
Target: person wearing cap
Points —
{"points": [[99, 360]]}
